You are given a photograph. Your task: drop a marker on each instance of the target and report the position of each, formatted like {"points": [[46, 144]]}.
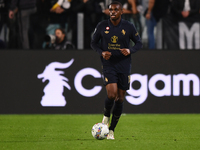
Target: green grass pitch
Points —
{"points": [[73, 132]]}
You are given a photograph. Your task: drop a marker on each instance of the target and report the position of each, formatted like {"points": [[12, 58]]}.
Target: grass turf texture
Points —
{"points": [[73, 132]]}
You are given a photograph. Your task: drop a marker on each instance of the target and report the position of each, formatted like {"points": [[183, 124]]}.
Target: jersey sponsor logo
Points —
{"points": [[123, 32], [114, 39], [113, 46]]}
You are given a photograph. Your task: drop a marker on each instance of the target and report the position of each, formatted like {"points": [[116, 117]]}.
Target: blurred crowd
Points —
{"points": [[52, 24]]}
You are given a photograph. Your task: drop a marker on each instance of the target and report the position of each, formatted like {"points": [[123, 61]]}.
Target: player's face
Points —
{"points": [[115, 12]]}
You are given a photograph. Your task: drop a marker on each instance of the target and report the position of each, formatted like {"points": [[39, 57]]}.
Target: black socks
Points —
{"points": [[108, 106], [117, 111]]}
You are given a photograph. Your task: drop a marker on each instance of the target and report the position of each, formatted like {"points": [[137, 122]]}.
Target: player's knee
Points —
{"points": [[112, 96], [120, 100]]}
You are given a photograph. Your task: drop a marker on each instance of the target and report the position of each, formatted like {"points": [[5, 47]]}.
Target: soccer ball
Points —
{"points": [[100, 131]]}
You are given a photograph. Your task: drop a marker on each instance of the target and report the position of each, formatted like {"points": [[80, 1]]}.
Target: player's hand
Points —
{"points": [[106, 55], [125, 51]]}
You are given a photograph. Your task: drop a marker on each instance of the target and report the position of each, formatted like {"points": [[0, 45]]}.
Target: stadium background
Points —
{"points": [[177, 44]]}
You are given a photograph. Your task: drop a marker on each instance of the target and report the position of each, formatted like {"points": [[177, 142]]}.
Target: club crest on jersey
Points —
{"points": [[114, 39], [107, 28], [136, 34], [123, 32]]}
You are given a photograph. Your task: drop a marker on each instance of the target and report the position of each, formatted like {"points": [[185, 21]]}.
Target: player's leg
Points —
{"points": [[110, 82], [117, 110], [123, 85], [112, 92]]}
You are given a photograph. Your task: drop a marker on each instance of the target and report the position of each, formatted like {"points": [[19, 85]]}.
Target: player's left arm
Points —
{"points": [[125, 51], [135, 37]]}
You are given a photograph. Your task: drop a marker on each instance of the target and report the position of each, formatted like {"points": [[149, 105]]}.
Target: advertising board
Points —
{"points": [[67, 82]]}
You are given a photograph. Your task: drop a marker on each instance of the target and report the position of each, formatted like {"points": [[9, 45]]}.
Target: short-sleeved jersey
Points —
{"points": [[108, 37]]}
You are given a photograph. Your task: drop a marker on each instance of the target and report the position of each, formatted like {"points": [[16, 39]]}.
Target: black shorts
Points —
{"points": [[122, 79]]}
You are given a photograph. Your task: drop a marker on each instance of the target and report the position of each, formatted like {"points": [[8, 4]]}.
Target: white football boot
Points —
{"points": [[106, 120], [110, 135]]}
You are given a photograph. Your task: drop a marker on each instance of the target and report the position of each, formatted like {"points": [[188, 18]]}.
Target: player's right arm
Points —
{"points": [[106, 55], [96, 45], [95, 40]]}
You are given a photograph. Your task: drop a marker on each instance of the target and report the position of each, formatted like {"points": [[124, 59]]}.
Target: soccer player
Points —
{"points": [[111, 39]]}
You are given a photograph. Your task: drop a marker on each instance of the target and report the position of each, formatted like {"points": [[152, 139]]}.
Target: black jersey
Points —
{"points": [[108, 37]]}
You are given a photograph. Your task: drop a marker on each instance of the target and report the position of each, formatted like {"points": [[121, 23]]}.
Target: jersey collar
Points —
{"points": [[110, 23]]}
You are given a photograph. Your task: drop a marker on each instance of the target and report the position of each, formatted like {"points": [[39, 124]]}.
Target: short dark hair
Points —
{"points": [[116, 3], [61, 29]]}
